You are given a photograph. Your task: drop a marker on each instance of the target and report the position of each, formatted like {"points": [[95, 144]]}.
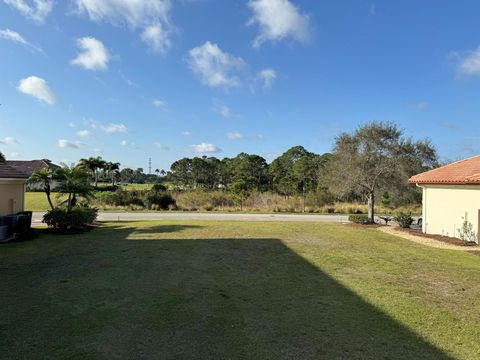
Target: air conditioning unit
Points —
{"points": [[3, 232]]}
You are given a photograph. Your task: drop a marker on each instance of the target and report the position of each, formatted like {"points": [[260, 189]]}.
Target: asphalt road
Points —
{"points": [[138, 216]]}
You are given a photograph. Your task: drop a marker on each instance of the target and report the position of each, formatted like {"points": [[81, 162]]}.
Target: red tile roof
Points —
{"points": [[464, 172], [9, 172]]}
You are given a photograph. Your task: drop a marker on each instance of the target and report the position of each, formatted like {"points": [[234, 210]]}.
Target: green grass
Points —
{"points": [[236, 290], [37, 201]]}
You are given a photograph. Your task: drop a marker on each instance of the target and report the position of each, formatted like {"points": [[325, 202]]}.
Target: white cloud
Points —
{"points": [[160, 146], [151, 16], [221, 109], [186, 133], [114, 128], [420, 106], [128, 144], [259, 136], [37, 11], [14, 36], [8, 141], [62, 143], [234, 136], [84, 133], [110, 128], [268, 77], [278, 19], [157, 38], [38, 88], [93, 56], [215, 67], [205, 148], [470, 64], [159, 103], [71, 124]]}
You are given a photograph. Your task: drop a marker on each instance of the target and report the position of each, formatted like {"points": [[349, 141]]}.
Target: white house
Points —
{"points": [[451, 197]]}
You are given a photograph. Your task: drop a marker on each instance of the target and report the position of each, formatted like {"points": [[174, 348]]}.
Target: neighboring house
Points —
{"points": [[12, 190], [451, 196], [28, 167]]}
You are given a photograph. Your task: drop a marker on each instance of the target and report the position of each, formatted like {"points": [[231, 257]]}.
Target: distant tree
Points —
{"points": [[294, 170], [253, 169], [44, 178], [2, 158], [112, 169], [181, 173], [376, 157], [240, 191], [93, 165]]}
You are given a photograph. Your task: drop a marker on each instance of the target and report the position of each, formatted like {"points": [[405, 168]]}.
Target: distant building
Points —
{"points": [[451, 196], [12, 189]]}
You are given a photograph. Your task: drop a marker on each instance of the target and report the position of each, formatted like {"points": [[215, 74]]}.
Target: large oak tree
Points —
{"points": [[375, 158]]}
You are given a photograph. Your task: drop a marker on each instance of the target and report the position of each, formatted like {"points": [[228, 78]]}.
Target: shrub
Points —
{"points": [[359, 219], [76, 219], [161, 200], [404, 220]]}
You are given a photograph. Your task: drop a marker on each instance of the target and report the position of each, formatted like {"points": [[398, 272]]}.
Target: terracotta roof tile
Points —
{"points": [[464, 172], [9, 172]]}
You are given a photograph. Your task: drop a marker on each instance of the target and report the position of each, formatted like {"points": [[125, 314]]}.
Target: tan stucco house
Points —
{"points": [[451, 195], [12, 190]]}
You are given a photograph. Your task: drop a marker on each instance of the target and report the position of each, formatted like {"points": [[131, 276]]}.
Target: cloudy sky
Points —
{"points": [[129, 80]]}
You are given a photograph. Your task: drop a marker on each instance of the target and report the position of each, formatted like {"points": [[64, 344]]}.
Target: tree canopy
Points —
{"points": [[376, 158]]}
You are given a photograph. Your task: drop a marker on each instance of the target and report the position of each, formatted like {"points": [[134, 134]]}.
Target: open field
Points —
{"points": [[37, 201], [237, 290]]}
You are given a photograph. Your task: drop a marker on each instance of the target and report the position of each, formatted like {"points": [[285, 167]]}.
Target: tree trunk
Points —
{"points": [[371, 207], [47, 191]]}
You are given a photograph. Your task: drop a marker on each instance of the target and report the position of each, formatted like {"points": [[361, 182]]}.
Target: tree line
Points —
{"points": [[376, 159]]}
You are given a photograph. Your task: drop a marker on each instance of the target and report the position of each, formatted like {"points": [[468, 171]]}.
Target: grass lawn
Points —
{"points": [[37, 201], [236, 290]]}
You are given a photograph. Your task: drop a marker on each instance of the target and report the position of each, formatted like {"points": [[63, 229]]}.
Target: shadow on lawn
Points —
{"points": [[215, 299]]}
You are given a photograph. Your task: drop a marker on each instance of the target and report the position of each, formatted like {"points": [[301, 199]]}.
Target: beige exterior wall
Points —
{"points": [[12, 196], [446, 206]]}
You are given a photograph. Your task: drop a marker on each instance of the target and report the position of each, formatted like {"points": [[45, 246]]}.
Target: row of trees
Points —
{"points": [[295, 171], [375, 159]]}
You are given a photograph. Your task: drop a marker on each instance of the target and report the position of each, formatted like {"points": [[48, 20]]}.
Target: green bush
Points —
{"points": [[76, 219], [359, 218], [404, 220], [161, 200]]}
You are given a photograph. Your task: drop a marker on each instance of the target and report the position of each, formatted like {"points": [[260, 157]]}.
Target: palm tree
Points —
{"points": [[74, 183], [112, 168], [44, 177], [2, 158], [93, 164]]}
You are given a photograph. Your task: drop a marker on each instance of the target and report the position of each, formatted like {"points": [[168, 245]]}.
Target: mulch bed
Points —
{"points": [[445, 239]]}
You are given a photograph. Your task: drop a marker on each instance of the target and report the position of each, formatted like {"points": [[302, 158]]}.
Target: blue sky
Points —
{"points": [[129, 80]]}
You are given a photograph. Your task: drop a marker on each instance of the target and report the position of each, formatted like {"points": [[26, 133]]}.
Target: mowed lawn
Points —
{"points": [[37, 201], [236, 290]]}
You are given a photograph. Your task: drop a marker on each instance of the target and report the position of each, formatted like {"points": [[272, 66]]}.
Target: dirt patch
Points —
{"points": [[445, 239], [430, 240]]}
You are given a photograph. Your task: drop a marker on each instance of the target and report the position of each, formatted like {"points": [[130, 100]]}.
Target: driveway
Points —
{"points": [[138, 216]]}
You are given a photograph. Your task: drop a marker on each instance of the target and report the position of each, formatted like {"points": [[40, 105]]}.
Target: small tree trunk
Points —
{"points": [[47, 192], [371, 207]]}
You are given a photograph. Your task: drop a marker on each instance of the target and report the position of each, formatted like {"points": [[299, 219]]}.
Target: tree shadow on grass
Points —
{"points": [[210, 299]]}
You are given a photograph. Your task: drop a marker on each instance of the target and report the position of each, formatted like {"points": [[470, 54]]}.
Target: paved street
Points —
{"points": [[136, 216]]}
